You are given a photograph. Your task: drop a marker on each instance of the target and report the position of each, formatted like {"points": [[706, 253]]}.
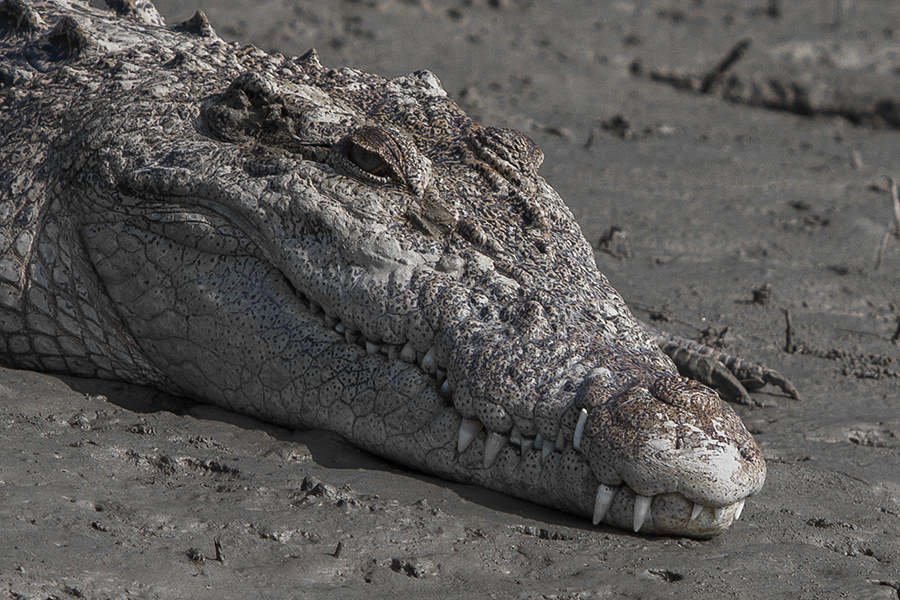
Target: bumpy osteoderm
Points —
{"points": [[326, 248]]}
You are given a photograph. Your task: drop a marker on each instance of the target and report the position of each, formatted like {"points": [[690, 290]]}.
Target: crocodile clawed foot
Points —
{"points": [[733, 377]]}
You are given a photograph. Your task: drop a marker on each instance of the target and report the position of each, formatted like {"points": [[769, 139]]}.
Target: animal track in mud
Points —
{"points": [[861, 366]]}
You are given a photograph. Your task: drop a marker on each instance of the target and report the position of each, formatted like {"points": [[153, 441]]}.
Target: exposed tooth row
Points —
{"points": [[470, 428], [642, 504], [427, 361], [539, 443], [405, 352]]}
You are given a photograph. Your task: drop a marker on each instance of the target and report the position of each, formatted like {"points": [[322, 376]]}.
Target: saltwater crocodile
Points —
{"points": [[327, 248]]}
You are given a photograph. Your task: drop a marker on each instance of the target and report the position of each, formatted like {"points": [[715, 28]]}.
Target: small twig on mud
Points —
{"points": [[736, 52], [895, 339], [788, 332], [220, 556]]}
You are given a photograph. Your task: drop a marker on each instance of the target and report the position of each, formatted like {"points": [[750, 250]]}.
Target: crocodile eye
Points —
{"points": [[372, 154], [382, 154], [368, 161]]}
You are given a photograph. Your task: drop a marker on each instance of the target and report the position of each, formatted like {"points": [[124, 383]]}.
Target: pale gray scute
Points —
{"points": [[328, 248]]}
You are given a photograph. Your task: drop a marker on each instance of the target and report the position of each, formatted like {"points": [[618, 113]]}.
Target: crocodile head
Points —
{"points": [[327, 248]]}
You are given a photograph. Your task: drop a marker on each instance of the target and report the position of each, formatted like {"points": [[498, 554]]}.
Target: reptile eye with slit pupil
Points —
{"points": [[382, 155], [368, 161]]}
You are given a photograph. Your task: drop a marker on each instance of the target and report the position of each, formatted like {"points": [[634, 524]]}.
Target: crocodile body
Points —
{"points": [[326, 248]]}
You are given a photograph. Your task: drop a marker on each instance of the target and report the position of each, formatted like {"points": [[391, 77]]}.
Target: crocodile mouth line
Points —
{"points": [[609, 501]]}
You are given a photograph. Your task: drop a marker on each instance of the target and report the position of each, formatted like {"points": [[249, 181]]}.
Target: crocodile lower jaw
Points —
{"points": [[616, 505]]}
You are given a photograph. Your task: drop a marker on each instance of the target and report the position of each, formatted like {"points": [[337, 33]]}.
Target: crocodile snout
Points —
{"points": [[671, 437]]}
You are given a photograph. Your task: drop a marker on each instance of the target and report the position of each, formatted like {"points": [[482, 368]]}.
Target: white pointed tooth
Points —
{"points": [[527, 443], [719, 514], [605, 496], [445, 390], [493, 445], [428, 364], [560, 440], [440, 374], [515, 436], [698, 508], [739, 509], [546, 450], [408, 354], [340, 327], [538, 442], [468, 429], [372, 347], [641, 510], [579, 428]]}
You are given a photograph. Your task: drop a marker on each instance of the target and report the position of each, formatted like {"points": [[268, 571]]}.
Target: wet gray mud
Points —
{"points": [[726, 212]]}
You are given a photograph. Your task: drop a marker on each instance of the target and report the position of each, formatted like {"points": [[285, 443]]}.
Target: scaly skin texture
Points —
{"points": [[326, 248]]}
